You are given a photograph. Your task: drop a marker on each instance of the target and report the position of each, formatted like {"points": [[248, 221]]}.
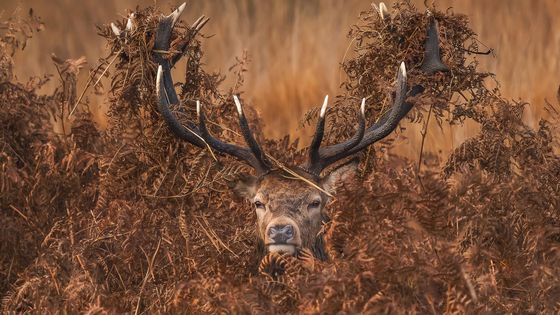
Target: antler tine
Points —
{"points": [[116, 30], [319, 132], [164, 94], [320, 158], [129, 24], [248, 134], [432, 56], [398, 111], [191, 33], [241, 153], [321, 155], [199, 136], [174, 16], [363, 138], [383, 12]]}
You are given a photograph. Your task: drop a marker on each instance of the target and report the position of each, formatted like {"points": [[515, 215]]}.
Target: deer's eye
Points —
{"points": [[259, 205], [314, 204]]}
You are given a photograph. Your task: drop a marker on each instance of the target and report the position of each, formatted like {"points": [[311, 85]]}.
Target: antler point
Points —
{"points": [[383, 10], [158, 78], [403, 69], [129, 24], [115, 29], [177, 13], [363, 107], [238, 105], [324, 107]]}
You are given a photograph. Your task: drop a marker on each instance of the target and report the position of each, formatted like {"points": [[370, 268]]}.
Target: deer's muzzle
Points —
{"points": [[281, 234]]}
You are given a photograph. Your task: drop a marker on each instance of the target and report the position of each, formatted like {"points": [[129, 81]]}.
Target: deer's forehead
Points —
{"points": [[278, 188]]}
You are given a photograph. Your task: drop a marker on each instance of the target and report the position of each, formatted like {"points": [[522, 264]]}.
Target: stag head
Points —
{"points": [[289, 202]]}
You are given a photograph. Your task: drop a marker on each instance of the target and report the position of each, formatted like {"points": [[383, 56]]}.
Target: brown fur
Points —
{"points": [[289, 200]]}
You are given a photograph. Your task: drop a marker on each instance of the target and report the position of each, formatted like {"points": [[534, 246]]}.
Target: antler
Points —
{"points": [[199, 135], [432, 57], [320, 158]]}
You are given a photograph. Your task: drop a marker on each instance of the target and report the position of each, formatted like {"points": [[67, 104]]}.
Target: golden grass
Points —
{"points": [[135, 221], [296, 47]]}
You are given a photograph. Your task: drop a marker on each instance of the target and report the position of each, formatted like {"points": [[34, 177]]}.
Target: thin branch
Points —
{"points": [[88, 84], [490, 51], [423, 132]]}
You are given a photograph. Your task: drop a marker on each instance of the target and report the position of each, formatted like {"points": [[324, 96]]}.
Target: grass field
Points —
{"points": [[105, 211]]}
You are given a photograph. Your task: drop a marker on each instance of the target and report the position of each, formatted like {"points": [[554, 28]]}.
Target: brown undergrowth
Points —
{"points": [[133, 220]]}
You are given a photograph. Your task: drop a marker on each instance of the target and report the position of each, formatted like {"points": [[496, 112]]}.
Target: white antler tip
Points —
{"points": [[238, 105], [403, 69], [129, 24], [198, 108], [324, 107], [383, 10], [177, 13], [363, 107], [158, 78], [115, 29], [182, 7]]}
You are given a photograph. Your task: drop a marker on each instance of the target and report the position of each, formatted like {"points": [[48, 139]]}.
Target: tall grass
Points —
{"points": [[295, 48]]}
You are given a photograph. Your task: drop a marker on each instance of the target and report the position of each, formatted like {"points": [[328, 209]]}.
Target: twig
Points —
{"points": [[423, 132], [296, 175], [472, 291], [218, 239], [113, 158], [344, 59], [208, 235], [148, 271], [20, 213], [490, 51], [91, 79], [64, 101], [31, 223]]}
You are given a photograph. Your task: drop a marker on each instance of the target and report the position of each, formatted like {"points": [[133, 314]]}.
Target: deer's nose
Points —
{"points": [[280, 234]]}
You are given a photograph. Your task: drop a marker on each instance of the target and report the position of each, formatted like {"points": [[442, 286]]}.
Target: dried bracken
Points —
{"points": [[132, 220]]}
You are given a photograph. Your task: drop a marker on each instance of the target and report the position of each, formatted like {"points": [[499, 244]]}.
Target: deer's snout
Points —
{"points": [[281, 234]]}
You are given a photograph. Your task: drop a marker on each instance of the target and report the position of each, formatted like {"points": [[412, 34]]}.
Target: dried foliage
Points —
{"points": [[133, 220]]}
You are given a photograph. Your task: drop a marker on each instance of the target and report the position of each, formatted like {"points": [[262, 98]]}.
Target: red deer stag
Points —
{"points": [[289, 211]]}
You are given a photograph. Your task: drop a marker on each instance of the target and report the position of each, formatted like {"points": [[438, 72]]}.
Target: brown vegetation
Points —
{"points": [[119, 220]]}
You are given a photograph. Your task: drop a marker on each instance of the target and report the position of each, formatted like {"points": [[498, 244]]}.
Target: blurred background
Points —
{"points": [[296, 47]]}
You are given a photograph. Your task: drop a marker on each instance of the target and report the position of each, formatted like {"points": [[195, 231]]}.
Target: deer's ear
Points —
{"points": [[245, 186], [338, 176]]}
